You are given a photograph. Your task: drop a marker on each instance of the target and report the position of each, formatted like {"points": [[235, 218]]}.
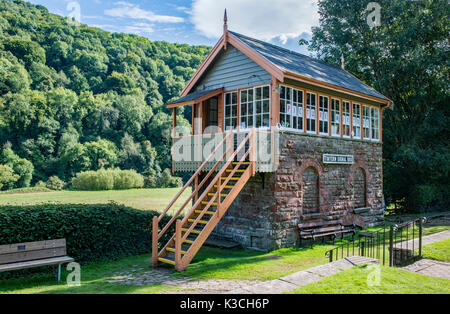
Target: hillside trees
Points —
{"points": [[75, 99], [405, 58]]}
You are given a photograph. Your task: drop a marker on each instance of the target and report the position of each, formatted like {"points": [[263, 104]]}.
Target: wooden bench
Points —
{"points": [[322, 229], [34, 254]]}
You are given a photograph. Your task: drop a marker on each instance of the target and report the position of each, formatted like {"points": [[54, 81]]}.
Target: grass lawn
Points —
{"points": [[438, 250], [93, 280], [145, 199], [392, 280], [209, 263]]}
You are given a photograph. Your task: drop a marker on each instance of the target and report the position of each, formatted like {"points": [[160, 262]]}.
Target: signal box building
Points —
{"points": [[328, 167]]}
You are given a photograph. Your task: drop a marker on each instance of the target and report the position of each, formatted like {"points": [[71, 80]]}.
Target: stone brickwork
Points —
{"points": [[266, 213]]}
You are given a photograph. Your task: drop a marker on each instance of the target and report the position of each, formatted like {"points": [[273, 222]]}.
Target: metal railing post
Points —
{"points": [[331, 256], [155, 241], [391, 246], [420, 236]]}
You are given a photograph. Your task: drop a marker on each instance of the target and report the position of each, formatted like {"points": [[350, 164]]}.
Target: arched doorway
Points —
{"points": [[310, 191]]}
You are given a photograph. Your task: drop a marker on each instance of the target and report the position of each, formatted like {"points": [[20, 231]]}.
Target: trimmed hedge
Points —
{"points": [[94, 233]]}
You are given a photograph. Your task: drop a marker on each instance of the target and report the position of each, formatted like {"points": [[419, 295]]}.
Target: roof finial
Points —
{"points": [[342, 62], [225, 20], [225, 29]]}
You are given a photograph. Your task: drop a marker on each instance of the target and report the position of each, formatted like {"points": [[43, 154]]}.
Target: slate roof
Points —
{"points": [[193, 95], [290, 61]]}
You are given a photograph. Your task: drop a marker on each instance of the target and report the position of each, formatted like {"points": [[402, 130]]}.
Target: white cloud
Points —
{"points": [[130, 10], [262, 19]]}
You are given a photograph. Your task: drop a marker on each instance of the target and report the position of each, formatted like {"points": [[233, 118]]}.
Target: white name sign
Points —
{"points": [[337, 159]]}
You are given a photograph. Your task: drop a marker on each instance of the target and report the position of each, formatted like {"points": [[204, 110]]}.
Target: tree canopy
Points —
{"points": [[405, 57], [76, 98]]}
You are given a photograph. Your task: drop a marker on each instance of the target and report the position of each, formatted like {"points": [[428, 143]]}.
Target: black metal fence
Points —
{"points": [[394, 246]]}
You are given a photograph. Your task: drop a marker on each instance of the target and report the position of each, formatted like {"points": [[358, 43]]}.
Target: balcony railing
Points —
{"points": [[189, 152]]}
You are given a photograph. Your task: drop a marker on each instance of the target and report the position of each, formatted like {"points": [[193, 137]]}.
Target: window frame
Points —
{"points": [[225, 105], [356, 115], [344, 114], [339, 134], [325, 122], [253, 103], [298, 105], [314, 115]]}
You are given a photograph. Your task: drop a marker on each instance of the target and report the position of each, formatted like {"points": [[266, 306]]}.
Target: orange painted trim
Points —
{"points": [[197, 100], [304, 79], [275, 102]]}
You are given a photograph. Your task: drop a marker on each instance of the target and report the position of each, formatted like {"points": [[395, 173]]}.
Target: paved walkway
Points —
{"points": [[303, 277], [436, 237], [431, 268]]}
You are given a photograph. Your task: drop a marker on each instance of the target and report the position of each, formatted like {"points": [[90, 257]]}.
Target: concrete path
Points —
{"points": [[303, 277], [430, 268], [436, 237]]}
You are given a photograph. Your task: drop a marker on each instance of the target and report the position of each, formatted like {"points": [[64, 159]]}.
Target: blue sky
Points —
{"points": [[282, 22]]}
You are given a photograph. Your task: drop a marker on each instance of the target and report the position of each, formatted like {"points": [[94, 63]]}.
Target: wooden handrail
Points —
{"points": [[214, 181], [199, 170]]}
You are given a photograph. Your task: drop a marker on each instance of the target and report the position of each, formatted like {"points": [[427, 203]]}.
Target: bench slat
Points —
{"points": [[306, 225], [32, 246], [32, 255], [36, 263]]}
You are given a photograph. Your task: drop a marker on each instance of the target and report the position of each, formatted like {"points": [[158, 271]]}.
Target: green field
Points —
{"points": [[145, 199]]}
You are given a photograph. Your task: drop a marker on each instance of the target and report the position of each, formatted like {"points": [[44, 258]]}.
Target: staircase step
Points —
{"points": [[243, 163], [222, 195], [237, 171], [225, 187], [206, 213], [193, 231], [165, 260], [231, 179], [203, 222], [185, 241], [172, 249], [206, 203]]}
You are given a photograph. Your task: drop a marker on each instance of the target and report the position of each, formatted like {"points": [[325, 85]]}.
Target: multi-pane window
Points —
{"points": [[375, 123], [311, 112], [291, 108], [366, 122], [255, 107], [230, 111], [246, 109], [346, 118], [335, 117], [323, 115], [262, 107], [356, 121]]}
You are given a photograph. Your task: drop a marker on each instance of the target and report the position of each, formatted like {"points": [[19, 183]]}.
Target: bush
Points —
{"points": [[166, 180], [108, 180], [7, 177], [94, 233], [55, 183], [127, 179]]}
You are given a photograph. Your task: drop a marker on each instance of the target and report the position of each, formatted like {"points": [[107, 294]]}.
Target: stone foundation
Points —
{"points": [[266, 213]]}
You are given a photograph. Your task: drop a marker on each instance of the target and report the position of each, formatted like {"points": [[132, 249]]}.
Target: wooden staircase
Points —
{"points": [[222, 187]]}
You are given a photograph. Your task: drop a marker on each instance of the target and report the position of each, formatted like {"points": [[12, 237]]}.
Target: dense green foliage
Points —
{"points": [[75, 98], [93, 232], [406, 59], [111, 179]]}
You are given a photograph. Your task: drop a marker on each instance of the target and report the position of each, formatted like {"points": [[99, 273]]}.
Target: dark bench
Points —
{"points": [[322, 229], [34, 254]]}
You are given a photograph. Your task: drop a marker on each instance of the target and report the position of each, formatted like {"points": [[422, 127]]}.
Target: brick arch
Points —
{"points": [[359, 165], [299, 174]]}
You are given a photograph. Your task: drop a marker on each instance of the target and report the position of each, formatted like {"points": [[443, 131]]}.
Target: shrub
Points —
{"points": [[166, 180], [108, 180], [7, 177], [55, 183], [93, 232], [127, 179], [93, 180]]}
